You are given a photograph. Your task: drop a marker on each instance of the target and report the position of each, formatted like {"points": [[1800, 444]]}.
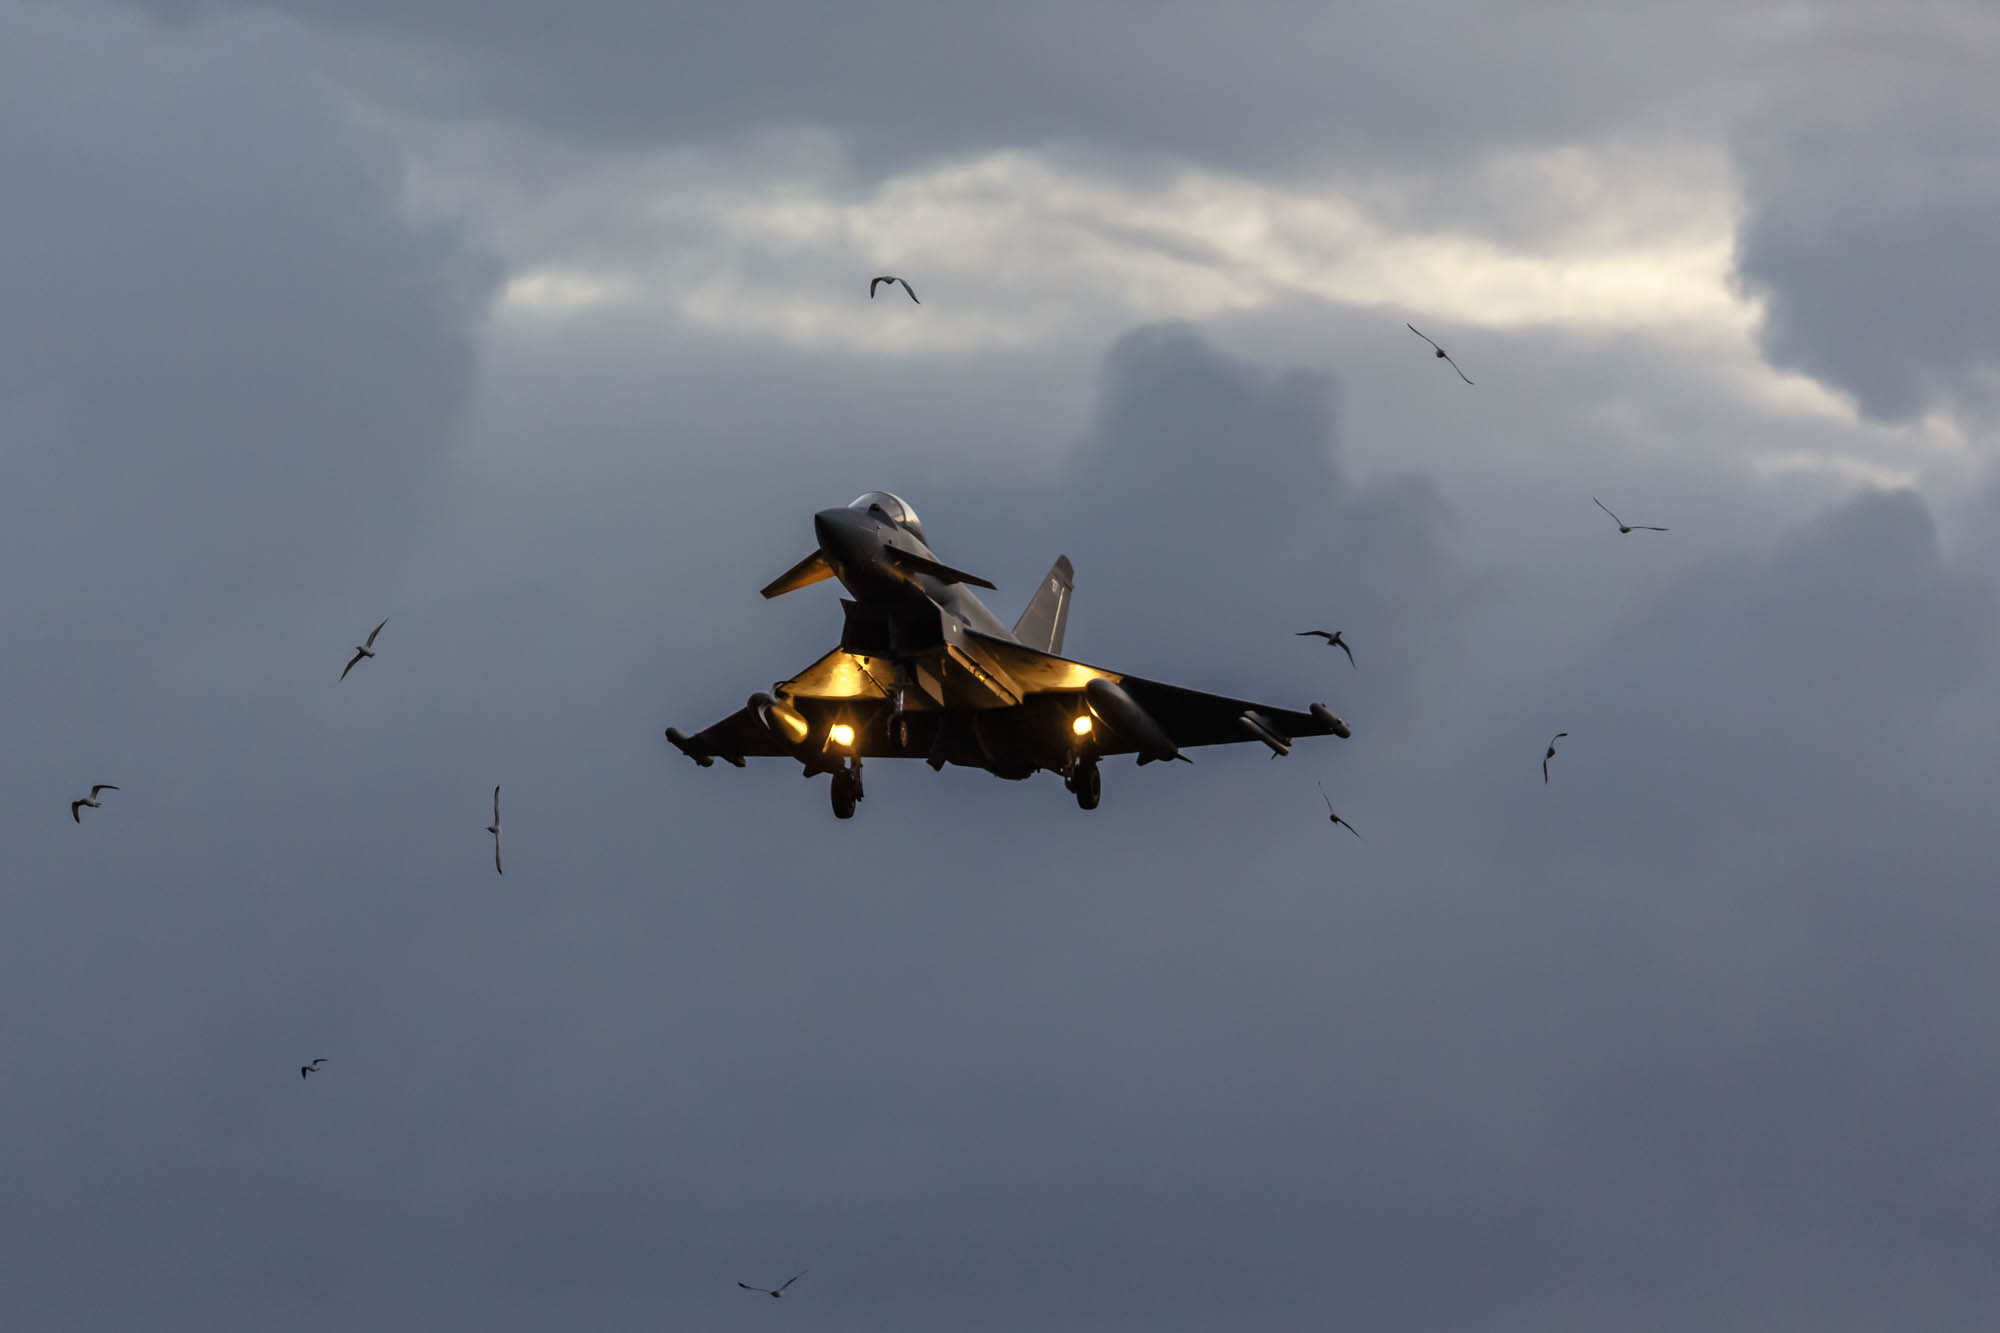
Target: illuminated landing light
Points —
{"points": [[1082, 724], [840, 734]]}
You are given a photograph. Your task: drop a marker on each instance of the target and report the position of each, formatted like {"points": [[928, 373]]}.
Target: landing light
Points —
{"points": [[1082, 724], [840, 734]]}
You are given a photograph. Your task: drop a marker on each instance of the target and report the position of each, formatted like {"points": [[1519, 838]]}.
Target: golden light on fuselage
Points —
{"points": [[840, 734], [1082, 724]]}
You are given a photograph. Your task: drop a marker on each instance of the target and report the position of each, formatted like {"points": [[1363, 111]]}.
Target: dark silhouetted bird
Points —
{"points": [[361, 650], [1333, 640], [871, 296], [312, 1068], [781, 1290], [1334, 817], [90, 800], [494, 829], [1551, 754], [1440, 351], [1623, 526]]}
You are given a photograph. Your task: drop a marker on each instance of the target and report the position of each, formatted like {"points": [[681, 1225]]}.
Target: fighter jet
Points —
{"points": [[924, 670]]}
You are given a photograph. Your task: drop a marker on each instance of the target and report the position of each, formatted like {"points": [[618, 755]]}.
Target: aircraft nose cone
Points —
{"points": [[843, 534]]}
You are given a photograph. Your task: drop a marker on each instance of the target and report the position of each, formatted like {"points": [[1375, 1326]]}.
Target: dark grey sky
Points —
{"points": [[544, 338]]}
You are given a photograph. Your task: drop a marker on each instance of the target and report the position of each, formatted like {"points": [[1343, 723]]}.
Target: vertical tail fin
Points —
{"points": [[1041, 625]]}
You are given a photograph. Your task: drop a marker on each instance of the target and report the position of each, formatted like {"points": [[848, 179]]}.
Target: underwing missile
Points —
{"points": [[1110, 704], [782, 720], [1261, 729]]}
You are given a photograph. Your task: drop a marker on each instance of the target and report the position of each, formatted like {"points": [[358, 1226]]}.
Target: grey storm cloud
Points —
{"points": [[1222, 457], [1875, 256], [1271, 84], [1867, 226], [1775, 768], [229, 364]]}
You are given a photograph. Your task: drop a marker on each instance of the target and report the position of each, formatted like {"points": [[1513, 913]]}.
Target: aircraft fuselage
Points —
{"points": [[858, 546]]}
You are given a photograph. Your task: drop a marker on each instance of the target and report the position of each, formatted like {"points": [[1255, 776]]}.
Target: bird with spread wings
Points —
{"points": [[1442, 354]]}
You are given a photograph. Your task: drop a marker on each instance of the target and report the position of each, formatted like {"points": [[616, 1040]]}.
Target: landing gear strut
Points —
{"points": [[846, 789], [899, 721], [1086, 782]]}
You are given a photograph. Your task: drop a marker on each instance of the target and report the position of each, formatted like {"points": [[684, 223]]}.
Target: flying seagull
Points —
{"points": [[361, 650], [494, 829], [1623, 526], [1334, 817], [1333, 641], [90, 800], [781, 1290], [1551, 754], [871, 296], [1440, 351], [312, 1068]]}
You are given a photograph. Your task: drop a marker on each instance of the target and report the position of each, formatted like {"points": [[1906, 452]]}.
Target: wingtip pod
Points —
{"points": [[1330, 722], [686, 746]]}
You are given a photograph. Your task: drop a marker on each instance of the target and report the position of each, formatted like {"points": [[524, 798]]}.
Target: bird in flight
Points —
{"points": [[312, 1068], [1623, 526], [1551, 754], [494, 829], [1334, 817], [90, 800], [1440, 351], [1333, 641], [781, 1290], [363, 649], [888, 278]]}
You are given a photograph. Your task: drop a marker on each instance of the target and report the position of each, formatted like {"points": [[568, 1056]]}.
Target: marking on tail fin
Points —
{"points": [[1041, 625]]}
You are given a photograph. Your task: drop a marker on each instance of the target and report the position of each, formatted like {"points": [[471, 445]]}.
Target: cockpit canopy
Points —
{"points": [[892, 508]]}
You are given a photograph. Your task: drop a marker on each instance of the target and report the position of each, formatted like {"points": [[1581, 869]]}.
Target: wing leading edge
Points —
{"points": [[1188, 717], [839, 687], [845, 689]]}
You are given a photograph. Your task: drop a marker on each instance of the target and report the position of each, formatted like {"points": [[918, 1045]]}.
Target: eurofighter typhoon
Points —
{"points": [[924, 670]]}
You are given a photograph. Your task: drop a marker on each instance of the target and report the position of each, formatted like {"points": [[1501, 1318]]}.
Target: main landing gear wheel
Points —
{"points": [[846, 791], [1088, 784]]}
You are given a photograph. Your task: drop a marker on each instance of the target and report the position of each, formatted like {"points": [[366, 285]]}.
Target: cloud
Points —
{"points": [[1866, 225], [1277, 87], [1210, 517], [230, 359]]}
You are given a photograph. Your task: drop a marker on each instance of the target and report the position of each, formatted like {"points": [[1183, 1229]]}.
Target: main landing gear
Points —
{"points": [[846, 789], [1086, 782]]}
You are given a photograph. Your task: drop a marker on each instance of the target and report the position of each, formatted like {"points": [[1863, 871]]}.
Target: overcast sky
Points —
{"points": [[543, 334]]}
